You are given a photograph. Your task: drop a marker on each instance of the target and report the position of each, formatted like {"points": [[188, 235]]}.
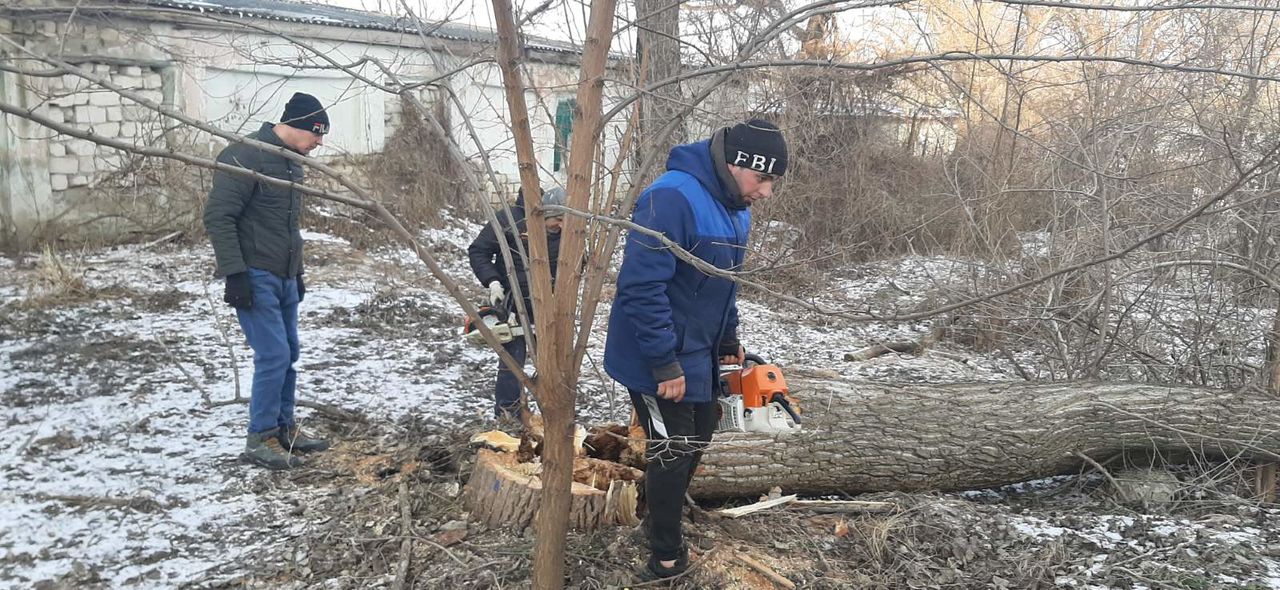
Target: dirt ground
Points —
{"points": [[1067, 531], [121, 454]]}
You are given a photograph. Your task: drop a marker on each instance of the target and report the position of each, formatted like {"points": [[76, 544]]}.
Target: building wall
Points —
{"points": [[236, 80]]}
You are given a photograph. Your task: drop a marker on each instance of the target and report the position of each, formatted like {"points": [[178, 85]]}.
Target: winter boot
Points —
{"points": [[294, 440], [263, 448]]}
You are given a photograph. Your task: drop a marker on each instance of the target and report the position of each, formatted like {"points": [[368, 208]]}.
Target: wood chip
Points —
{"points": [[741, 511], [767, 571], [496, 440], [843, 506]]}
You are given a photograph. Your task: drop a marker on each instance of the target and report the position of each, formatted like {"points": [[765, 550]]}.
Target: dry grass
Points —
{"points": [[58, 280], [55, 276]]}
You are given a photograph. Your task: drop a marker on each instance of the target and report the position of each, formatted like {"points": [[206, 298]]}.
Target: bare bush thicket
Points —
{"points": [[1055, 165], [851, 189], [415, 172], [133, 199]]}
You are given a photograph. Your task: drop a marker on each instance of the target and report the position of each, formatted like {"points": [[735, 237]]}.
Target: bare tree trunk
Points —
{"points": [[872, 437], [658, 52], [556, 308]]}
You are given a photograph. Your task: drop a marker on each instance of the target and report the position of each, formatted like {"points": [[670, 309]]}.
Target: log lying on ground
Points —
{"points": [[877, 350], [861, 437]]}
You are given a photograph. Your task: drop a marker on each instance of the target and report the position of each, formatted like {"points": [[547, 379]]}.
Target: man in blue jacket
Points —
{"points": [[672, 324]]}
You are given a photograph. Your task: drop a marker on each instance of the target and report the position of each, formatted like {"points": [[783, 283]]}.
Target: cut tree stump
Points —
{"points": [[868, 437], [503, 492]]}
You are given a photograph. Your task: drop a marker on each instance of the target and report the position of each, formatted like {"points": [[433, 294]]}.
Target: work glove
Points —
{"points": [[239, 293], [302, 289], [496, 293]]}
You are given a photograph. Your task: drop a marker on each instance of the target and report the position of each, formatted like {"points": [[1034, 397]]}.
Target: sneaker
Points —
{"points": [[293, 439], [654, 570], [264, 449]]}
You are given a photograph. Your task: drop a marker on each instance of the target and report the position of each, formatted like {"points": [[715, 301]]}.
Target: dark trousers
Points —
{"points": [[677, 433], [506, 394]]}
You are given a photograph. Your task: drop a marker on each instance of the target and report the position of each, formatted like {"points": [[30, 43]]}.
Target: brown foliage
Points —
{"points": [[414, 173]]}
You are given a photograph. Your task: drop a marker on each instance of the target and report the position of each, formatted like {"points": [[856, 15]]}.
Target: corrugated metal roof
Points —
{"points": [[336, 16]]}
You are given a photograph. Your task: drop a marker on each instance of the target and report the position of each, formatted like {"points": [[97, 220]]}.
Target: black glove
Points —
{"points": [[729, 347], [239, 292], [302, 289]]}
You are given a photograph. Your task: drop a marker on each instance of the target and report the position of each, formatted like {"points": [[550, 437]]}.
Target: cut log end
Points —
{"points": [[504, 493]]}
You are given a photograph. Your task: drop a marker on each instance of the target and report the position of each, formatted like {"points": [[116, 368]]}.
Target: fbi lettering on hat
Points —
{"points": [[755, 162], [756, 145]]}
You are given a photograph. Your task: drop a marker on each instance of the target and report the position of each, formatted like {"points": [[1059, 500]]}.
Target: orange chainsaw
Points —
{"points": [[755, 399]]}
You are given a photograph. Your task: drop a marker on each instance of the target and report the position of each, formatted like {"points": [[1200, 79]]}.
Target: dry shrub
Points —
{"points": [[55, 277], [414, 175], [858, 186], [135, 199], [860, 201]]}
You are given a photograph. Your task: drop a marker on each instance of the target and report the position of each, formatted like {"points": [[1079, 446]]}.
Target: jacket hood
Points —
{"points": [[695, 159]]}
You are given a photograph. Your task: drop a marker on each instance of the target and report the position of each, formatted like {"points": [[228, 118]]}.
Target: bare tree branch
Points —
{"points": [[1139, 8], [950, 56]]}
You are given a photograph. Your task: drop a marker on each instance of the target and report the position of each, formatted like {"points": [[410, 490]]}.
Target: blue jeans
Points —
{"points": [[271, 327], [506, 394]]}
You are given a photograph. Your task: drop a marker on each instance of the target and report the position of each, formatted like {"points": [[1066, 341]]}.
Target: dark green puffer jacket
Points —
{"points": [[254, 223]]}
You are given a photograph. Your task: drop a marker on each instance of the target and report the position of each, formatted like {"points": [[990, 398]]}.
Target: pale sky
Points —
{"points": [[565, 20]]}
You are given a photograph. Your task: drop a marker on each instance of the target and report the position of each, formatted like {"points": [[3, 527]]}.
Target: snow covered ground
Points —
{"points": [[118, 472], [104, 402]]}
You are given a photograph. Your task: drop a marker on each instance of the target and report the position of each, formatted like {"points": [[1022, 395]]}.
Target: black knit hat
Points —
{"points": [[757, 145], [306, 113]]}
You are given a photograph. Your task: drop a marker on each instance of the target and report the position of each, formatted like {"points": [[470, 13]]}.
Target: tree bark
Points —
{"points": [[658, 50], [556, 389], [860, 437]]}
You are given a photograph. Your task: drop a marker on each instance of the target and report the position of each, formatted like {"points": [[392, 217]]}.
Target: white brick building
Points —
{"points": [[234, 63]]}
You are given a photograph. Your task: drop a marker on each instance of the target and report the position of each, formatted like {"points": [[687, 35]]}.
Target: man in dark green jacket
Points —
{"points": [[254, 227]]}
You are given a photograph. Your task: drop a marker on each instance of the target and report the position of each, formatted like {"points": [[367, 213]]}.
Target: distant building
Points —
{"points": [[235, 63]]}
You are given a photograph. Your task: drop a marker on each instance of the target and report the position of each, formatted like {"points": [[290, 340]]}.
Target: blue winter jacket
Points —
{"points": [[666, 311]]}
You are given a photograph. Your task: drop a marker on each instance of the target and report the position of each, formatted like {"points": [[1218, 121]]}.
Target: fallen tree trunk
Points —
{"points": [[861, 437], [878, 350]]}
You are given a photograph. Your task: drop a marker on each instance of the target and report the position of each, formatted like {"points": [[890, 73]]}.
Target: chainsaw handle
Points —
{"points": [[786, 405], [753, 358]]}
